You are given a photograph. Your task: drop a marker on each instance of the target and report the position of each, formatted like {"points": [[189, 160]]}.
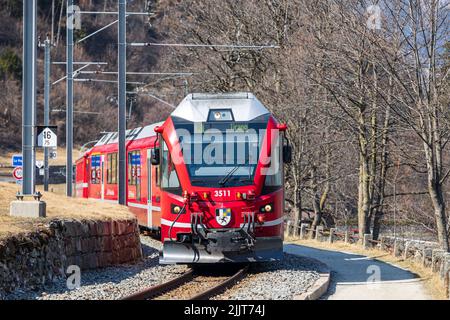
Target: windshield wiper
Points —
{"points": [[228, 176]]}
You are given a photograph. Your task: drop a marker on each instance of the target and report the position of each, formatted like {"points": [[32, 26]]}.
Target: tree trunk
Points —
{"points": [[377, 224], [379, 210], [437, 200], [297, 210], [365, 210], [316, 201], [364, 181]]}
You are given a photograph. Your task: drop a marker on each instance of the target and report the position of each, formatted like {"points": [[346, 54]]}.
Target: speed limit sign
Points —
{"points": [[17, 173]]}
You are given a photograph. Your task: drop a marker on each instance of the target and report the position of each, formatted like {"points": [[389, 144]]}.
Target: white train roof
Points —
{"points": [[132, 134], [196, 106]]}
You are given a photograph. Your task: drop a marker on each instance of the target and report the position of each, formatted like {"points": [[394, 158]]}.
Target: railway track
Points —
{"points": [[191, 285]]}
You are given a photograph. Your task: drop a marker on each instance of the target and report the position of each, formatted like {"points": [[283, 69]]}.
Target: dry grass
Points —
{"points": [[433, 284], [58, 206], [54, 188], [5, 157]]}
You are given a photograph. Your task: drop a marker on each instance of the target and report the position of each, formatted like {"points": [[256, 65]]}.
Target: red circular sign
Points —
{"points": [[17, 173]]}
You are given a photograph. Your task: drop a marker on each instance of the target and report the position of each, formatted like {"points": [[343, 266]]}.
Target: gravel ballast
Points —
{"points": [[276, 281]]}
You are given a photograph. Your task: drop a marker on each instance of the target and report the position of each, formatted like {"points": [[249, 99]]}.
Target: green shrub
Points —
{"points": [[10, 64]]}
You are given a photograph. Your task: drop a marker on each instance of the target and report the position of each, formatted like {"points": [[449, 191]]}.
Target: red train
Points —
{"points": [[209, 179]]}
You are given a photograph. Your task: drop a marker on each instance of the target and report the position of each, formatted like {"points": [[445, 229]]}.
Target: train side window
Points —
{"points": [[111, 171], [130, 176], [169, 177], [134, 167], [134, 172], [157, 178], [274, 180], [95, 173], [130, 169], [94, 179]]}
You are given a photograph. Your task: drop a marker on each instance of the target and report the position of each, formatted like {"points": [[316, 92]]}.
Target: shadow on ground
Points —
{"points": [[350, 268]]}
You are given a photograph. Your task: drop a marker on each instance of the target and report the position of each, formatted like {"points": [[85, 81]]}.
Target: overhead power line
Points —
{"points": [[115, 13], [139, 73], [197, 45], [81, 62], [106, 81], [152, 96], [85, 112], [99, 30], [74, 74]]}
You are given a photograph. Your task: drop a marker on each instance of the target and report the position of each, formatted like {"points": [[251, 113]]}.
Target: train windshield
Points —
{"points": [[221, 154]]}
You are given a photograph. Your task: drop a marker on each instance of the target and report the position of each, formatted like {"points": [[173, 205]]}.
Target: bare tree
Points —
{"points": [[422, 104]]}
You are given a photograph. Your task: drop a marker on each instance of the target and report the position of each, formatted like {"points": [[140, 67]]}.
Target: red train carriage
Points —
{"points": [[216, 187], [221, 163], [97, 174]]}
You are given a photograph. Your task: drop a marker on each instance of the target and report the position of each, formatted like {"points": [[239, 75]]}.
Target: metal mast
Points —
{"points": [[47, 47], [69, 96], [122, 113], [29, 96]]}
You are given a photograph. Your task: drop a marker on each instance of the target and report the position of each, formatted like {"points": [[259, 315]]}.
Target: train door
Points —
{"points": [[88, 176], [138, 175], [149, 189], [102, 180], [95, 177]]}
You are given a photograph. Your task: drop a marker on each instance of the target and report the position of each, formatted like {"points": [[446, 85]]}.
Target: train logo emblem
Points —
{"points": [[223, 216]]}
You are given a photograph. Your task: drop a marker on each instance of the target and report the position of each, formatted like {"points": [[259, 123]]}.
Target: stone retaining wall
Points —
{"points": [[28, 261]]}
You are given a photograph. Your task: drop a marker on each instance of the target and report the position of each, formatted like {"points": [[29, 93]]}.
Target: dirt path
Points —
{"points": [[358, 277]]}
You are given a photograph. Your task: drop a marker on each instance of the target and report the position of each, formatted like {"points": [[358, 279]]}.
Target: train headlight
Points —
{"points": [[176, 209], [220, 115], [266, 208]]}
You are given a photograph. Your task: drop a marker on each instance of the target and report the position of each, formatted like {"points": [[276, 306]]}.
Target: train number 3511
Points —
{"points": [[222, 193]]}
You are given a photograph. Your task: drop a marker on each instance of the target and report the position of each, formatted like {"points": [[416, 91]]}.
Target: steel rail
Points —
{"points": [[160, 289], [205, 295]]}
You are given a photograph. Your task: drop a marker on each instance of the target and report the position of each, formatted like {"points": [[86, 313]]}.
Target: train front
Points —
{"points": [[220, 159]]}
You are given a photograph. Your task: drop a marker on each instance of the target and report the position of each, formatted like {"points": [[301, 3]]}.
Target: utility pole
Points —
{"points": [[29, 96], [52, 34], [47, 47], [36, 208], [69, 96], [122, 98]]}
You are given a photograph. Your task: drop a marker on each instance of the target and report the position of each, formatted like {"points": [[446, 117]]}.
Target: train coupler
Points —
{"points": [[248, 227], [197, 226]]}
